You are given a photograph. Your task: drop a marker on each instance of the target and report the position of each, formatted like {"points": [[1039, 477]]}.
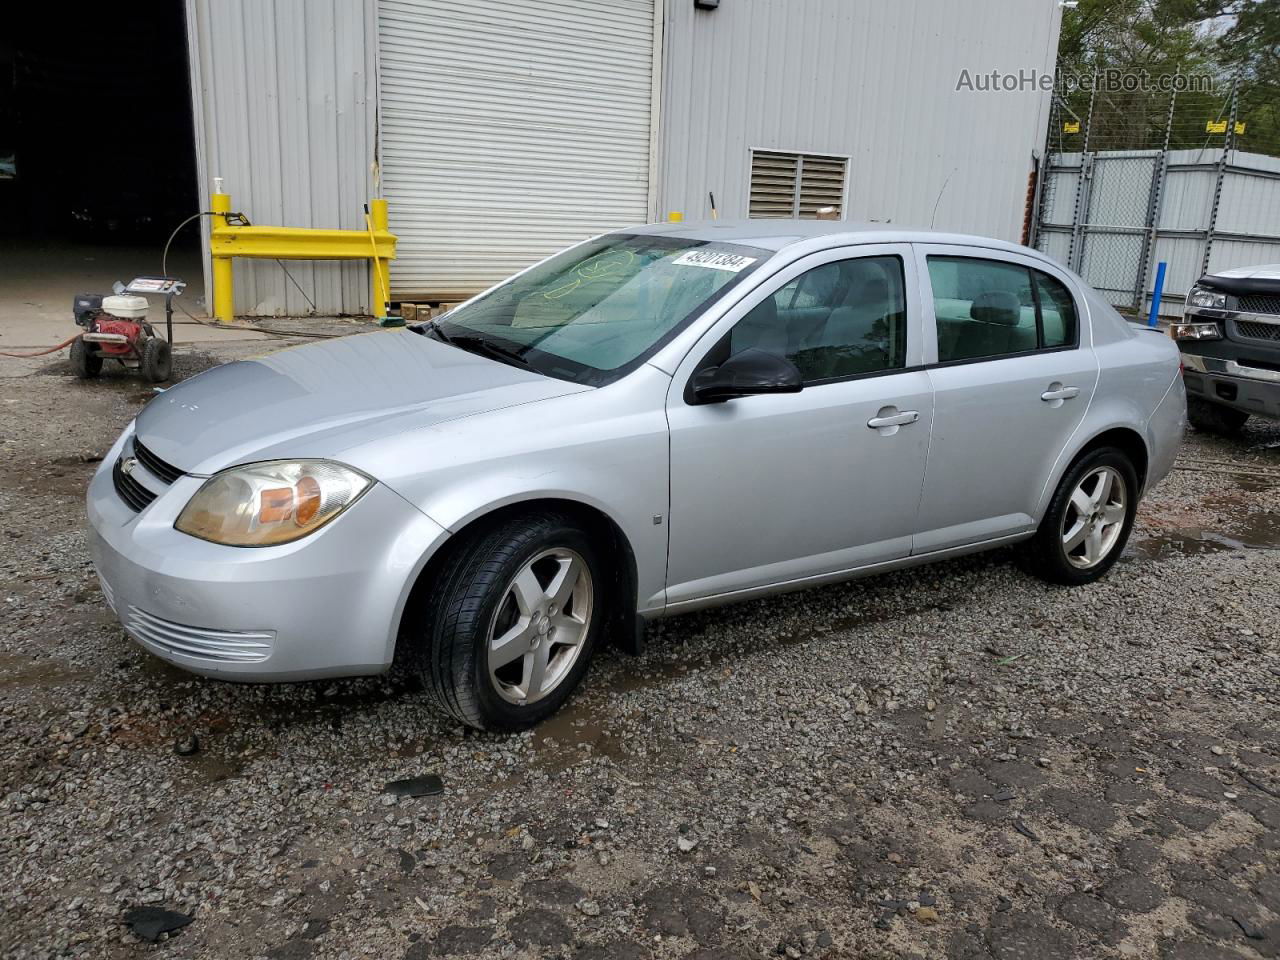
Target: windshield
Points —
{"points": [[598, 310]]}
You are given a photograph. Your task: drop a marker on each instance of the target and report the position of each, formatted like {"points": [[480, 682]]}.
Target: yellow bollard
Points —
{"points": [[229, 240], [381, 272], [224, 291]]}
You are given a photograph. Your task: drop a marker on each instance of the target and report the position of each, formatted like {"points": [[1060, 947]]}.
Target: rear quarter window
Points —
{"points": [[1058, 310]]}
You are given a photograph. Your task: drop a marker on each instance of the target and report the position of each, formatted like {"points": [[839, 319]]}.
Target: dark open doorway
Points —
{"points": [[97, 152], [100, 143]]}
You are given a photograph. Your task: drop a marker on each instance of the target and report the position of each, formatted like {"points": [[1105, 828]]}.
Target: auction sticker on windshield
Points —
{"points": [[732, 262]]}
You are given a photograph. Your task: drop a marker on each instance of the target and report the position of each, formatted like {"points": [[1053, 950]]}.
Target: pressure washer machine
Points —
{"points": [[116, 328]]}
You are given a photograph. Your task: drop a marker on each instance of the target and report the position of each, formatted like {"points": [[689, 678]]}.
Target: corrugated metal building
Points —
{"points": [[500, 132]]}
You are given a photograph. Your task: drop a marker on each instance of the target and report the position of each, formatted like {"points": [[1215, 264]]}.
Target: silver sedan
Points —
{"points": [[655, 420]]}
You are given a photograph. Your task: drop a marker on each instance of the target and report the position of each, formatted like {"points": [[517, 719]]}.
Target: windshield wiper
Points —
{"points": [[474, 344], [432, 328]]}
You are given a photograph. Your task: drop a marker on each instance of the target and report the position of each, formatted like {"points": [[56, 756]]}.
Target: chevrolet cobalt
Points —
{"points": [[652, 421]]}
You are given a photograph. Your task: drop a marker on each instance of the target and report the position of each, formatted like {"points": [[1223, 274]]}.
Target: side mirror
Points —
{"points": [[746, 374]]}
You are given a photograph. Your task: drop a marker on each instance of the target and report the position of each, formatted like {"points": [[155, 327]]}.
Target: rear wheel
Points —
{"points": [[1208, 417], [512, 629], [1088, 521], [157, 359], [84, 359]]}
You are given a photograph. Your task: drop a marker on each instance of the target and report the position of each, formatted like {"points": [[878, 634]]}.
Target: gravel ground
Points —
{"points": [[952, 761]]}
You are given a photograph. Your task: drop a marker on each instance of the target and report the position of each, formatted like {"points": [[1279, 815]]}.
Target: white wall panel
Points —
{"points": [[285, 100], [875, 82]]}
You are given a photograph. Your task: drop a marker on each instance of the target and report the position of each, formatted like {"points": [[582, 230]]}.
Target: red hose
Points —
{"points": [[41, 353]]}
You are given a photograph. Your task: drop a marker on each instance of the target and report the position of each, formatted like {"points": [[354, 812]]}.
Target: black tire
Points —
{"points": [[1214, 418], [448, 651], [85, 361], [1045, 555], [157, 359]]}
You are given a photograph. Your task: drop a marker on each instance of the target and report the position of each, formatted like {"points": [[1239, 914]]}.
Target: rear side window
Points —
{"points": [[988, 308]]}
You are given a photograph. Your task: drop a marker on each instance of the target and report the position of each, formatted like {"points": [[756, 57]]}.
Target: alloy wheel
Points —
{"points": [[540, 626], [1094, 518]]}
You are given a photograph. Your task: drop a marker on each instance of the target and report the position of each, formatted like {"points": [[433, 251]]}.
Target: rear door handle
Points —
{"points": [[897, 420], [1059, 392]]}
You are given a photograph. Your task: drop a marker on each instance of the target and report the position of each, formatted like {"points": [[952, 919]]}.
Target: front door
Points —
{"points": [[787, 487], [1013, 375]]}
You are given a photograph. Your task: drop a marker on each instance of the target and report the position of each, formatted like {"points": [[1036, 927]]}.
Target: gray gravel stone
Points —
{"points": [[1133, 894], [791, 737]]}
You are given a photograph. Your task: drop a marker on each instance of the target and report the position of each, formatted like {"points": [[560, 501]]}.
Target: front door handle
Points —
{"points": [[894, 420], [1057, 391]]}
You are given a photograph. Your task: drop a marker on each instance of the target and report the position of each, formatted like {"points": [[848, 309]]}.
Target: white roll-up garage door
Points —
{"points": [[510, 128]]}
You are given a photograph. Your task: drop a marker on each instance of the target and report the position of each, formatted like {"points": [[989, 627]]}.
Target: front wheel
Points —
{"points": [[512, 629], [1209, 417], [157, 359], [85, 361], [1088, 521]]}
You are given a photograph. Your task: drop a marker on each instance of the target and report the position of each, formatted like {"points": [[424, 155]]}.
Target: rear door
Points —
{"points": [[1013, 372]]}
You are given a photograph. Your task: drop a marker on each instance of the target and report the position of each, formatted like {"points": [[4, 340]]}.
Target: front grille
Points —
{"points": [[1258, 331], [221, 646], [161, 470], [1260, 303], [131, 491]]}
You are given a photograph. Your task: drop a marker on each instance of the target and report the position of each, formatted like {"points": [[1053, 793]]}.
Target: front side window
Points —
{"points": [[987, 309], [838, 320], [597, 311]]}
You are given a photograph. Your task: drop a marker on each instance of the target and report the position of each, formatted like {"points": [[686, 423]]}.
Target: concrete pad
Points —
{"points": [[39, 279]]}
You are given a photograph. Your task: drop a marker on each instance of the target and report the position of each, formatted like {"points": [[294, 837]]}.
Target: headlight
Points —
{"points": [[1195, 331], [1200, 297], [261, 504]]}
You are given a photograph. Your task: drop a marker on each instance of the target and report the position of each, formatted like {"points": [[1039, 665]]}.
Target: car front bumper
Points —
{"points": [[326, 605], [1254, 390], [1241, 369]]}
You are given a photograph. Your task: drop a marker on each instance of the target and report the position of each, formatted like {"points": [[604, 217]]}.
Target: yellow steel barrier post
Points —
{"points": [[224, 291], [375, 243], [381, 265]]}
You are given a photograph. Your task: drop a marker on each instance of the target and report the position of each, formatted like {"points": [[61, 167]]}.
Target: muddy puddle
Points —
{"points": [[1260, 531]]}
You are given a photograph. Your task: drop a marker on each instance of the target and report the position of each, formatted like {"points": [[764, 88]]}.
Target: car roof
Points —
{"points": [[777, 234]]}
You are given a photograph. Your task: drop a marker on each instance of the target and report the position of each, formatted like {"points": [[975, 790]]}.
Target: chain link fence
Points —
{"points": [[1132, 180]]}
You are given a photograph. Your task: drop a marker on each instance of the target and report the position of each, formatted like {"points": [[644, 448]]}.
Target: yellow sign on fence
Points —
{"points": [[1220, 126], [1071, 126]]}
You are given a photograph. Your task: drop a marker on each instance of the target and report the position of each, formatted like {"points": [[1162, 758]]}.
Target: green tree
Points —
{"points": [[1226, 41], [1249, 47]]}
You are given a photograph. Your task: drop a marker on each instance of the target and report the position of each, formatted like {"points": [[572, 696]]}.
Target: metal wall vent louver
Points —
{"points": [[795, 184]]}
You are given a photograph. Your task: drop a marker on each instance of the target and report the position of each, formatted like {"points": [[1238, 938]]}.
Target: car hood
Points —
{"points": [[1242, 281], [1264, 271], [319, 399]]}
